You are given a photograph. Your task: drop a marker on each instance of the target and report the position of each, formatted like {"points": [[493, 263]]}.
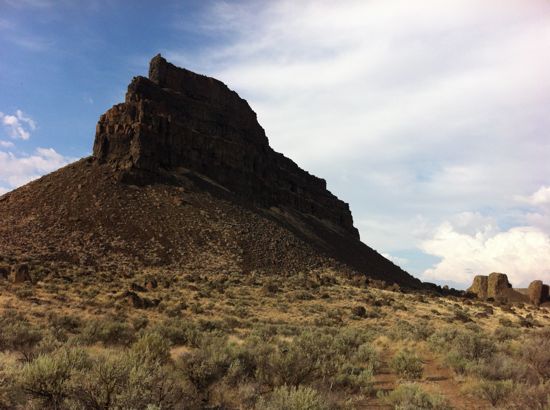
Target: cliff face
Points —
{"points": [[178, 119]]}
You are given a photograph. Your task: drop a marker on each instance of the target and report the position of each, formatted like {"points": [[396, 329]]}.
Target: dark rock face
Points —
{"points": [[538, 292], [177, 119]]}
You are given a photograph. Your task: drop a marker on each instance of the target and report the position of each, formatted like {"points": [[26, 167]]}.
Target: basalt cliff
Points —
{"points": [[182, 176]]}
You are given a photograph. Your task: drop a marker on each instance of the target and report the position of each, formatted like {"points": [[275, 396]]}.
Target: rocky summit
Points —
{"points": [[182, 175]]}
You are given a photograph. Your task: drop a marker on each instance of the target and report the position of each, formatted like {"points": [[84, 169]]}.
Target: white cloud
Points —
{"points": [[6, 144], [523, 253], [471, 243], [18, 126], [541, 197], [16, 170]]}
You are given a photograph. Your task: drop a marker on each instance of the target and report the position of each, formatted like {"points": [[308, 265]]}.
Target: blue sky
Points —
{"points": [[430, 118]]}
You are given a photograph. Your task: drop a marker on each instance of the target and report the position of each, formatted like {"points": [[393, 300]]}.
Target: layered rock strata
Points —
{"points": [[179, 119]]}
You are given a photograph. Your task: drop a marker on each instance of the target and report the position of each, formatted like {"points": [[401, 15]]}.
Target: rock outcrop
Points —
{"points": [[496, 286], [179, 119], [479, 286], [538, 292]]}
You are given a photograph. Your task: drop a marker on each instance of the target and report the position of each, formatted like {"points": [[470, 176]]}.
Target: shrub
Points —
{"points": [[295, 398], [368, 355], [47, 378], [110, 332], [504, 367], [502, 333], [179, 332], [355, 377], [461, 316], [469, 344], [205, 366], [457, 363], [407, 365], [288, 363], [495, 392], [404, 330], [410, 396], [536, 352], [98, 387], [151, 347], [18, 334]]}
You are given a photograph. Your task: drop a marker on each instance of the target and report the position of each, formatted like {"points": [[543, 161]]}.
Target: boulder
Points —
{"points": [[479, 286], [151, 284], [537, 292], [20, 274], [498, 285], [138, 302]]}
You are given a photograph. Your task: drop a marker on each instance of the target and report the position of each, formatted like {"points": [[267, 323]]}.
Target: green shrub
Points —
{"points": [[47, 378], [355, 377], [536, 352], [179, 332], [495, 392], [470, 344], [110, 332], [504, 367], [205, 366], [502, 334], [407, 365], [367, 355], [99, 387], [151, 347], [410, 396], [293, 398], [458, 363], [18, 334]]}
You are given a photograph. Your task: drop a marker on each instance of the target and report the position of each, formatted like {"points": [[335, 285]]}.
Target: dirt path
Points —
{"points": [[436, 379]]}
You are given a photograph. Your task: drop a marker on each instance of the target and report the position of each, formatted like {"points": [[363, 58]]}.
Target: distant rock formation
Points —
{"points": [[538, 292], [479, 286], [176, 118], [496, 286]]}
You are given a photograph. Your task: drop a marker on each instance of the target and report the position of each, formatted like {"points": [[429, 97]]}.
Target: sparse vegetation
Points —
{"points": [[250, 342]]}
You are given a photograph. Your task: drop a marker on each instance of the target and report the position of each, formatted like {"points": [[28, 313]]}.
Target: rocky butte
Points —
{"points": [[182, 176]]}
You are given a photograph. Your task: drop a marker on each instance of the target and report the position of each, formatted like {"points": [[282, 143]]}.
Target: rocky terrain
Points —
{"points": [[182, 175]]}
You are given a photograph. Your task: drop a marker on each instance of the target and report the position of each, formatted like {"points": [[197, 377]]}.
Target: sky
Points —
{"points": [[429, 117]]}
